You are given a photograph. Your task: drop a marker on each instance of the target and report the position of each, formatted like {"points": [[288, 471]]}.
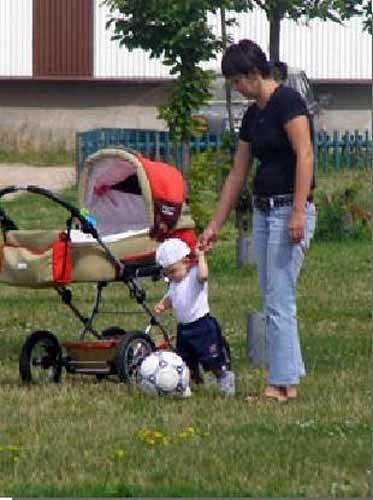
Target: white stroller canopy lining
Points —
{"points": [[113, 194]]}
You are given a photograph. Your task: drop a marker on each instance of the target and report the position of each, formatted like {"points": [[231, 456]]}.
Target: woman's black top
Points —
{"points": [[264, 130]]}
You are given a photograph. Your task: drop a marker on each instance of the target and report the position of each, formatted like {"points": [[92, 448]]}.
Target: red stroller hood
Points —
{"points": [[124, 191]]}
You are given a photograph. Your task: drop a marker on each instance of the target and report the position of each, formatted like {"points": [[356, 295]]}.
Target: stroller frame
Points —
{"points": [[115, 350]]}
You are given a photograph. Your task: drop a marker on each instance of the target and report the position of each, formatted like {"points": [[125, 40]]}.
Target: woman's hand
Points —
{"points": [[208, 238], [296, 226]]}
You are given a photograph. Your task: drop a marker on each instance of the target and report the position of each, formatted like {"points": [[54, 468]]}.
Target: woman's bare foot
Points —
{"points": [[277, 393], [291, 392]]}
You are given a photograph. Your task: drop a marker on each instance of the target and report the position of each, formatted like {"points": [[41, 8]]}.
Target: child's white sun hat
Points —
{"points": [[171, 251]]}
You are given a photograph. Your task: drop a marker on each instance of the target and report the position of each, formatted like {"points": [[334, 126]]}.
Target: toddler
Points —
{"points": [[199, 337]]}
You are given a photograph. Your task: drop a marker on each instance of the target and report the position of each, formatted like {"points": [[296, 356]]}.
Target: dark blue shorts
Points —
{"points": [[201, 342]]}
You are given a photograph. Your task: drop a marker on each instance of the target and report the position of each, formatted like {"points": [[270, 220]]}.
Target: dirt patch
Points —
{"points": [[52, 178]]}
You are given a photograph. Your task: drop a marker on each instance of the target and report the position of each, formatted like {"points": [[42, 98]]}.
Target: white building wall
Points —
{"points": [[113, 61], [15, 38], [328, 50], [325, 50]]}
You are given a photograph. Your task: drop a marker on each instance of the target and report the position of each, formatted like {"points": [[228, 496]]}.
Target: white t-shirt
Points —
{"points": [[189, 297]]}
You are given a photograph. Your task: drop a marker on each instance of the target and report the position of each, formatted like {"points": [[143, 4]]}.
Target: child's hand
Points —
{"points": [[159, 308], [199, 251]]}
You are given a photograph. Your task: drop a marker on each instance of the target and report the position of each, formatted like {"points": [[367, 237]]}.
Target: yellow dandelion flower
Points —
{"points": [[119, 453], [183, 434], [150, 441], [191, 430], [143, 433], [157, 434]]}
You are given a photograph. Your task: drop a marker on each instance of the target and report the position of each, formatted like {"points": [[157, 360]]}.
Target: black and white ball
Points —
{"points": [[163, 372]]}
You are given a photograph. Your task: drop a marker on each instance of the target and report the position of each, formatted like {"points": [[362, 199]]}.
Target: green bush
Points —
{"points": [[205, 178], [343, 209], [343, 199]]}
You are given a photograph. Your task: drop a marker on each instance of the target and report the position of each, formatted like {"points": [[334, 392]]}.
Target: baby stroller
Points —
{"points": [[127, 205]]}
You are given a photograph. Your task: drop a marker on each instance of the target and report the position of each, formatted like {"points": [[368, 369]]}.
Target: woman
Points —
{"points": [[276, 130]]}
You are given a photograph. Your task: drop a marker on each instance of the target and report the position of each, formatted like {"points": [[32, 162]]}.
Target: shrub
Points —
{"points": [[343, 210], [343, 199], [204, 179]]}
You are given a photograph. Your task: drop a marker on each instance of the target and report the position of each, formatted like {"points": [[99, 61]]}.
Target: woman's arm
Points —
{"points": [[299, 135], [232, 186]]}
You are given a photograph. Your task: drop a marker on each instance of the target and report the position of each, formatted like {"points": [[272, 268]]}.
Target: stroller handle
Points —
{"points": [[75, 212], [86, 225], [30, 188]]}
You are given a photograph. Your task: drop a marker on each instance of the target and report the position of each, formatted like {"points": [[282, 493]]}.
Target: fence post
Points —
{"points": [[156, 145], [367, 150], [167, 146], [336, 148], [348, 149], [324, 150], [315, 150], [78, 154], [358, 149]]}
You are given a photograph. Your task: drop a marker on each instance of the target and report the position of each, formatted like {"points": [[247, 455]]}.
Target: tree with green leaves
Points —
{"points": [[178, 33]]}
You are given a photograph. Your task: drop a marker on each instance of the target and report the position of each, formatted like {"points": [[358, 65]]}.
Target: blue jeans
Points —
{"points": [[278, 263]]}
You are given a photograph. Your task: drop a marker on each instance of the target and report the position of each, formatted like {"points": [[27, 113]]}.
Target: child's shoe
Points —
{"points": [[226, 383], [187, 393]]}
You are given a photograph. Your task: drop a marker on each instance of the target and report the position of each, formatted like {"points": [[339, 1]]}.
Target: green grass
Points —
{"points": [[32, 211], [40, 158], [87, 438]]}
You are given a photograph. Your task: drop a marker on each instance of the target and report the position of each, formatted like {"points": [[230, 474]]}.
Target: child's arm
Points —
{"points": [[162, 305], [203, 270]]}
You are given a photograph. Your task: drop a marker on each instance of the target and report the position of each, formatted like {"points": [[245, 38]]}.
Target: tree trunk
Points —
{"points": [[274, 36], [185, 156], [228, 93]]}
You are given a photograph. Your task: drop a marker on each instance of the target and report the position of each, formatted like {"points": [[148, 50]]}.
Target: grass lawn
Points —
{"points": [[88, 438]]}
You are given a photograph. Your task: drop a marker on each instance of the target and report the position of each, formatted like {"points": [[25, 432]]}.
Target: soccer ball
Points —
{"points": [[163, 372]]}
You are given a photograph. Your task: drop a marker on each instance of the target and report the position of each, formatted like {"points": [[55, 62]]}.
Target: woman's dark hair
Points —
{"points": [[279, 70], [243, 58]]}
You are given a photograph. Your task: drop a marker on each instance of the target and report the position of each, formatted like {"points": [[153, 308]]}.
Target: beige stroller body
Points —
{"points": [[127, 204]]}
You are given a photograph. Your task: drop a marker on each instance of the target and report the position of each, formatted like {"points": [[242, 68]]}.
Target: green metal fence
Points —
{"points": [[343, 150], [338, 150]]}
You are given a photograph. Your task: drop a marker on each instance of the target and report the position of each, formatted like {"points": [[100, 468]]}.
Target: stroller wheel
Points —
{"points": [[113, 331], [133, 348], [40, 358]]}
